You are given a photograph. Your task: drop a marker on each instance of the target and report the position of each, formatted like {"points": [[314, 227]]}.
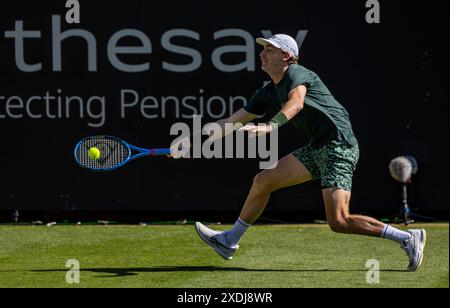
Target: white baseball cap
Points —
{"points": [[281, 41]]}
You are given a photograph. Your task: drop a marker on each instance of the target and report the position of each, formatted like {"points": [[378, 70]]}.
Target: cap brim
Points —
{"points": [[265, 42]]}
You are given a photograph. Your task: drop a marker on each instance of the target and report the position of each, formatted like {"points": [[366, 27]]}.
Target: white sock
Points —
{"points": [[234, 235], [394, 234]]}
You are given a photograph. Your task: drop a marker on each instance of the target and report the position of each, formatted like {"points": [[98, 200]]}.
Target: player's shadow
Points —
{"points": [[121, 272]]}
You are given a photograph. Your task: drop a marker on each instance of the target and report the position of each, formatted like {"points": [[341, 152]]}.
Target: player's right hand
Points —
{"points": [[180, 147]]}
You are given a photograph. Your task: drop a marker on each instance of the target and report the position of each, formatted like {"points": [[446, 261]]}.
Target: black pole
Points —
{"points": [[406, 209]]}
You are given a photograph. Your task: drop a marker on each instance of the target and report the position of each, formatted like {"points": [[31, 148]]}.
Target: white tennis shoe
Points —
{"points": [[216, 240], [414, 248]]}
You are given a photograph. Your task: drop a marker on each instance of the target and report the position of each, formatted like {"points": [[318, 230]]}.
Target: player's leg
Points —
{"points": [[337, 165], [289, 171], [340, 220]]}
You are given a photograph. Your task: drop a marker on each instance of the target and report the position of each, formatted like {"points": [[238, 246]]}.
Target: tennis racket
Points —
{"points": [[114, 153]]}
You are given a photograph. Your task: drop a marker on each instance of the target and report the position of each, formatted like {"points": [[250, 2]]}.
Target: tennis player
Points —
{"points": [[298, 96]]}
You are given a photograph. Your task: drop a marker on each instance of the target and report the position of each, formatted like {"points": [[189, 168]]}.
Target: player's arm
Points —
{"points": [[181, 146], [241, 116], [295, 103], [292, 107]]}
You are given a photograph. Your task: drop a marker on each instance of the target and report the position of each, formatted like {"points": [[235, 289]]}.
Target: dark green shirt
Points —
{"points": [[322, 119]]}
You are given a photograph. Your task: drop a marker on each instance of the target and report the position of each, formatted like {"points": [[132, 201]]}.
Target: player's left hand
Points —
{"points": [[257, 130]]}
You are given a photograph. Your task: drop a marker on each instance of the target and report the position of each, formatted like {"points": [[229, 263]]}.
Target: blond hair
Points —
{"points": [[293, 61]]}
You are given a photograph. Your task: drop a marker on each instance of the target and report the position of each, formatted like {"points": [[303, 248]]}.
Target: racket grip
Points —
{"points": [[157, 152]]}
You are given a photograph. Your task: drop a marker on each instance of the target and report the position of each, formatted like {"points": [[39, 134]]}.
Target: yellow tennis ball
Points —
{"points": [[94, 153]]}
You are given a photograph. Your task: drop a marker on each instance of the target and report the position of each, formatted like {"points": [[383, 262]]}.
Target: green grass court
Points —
{"points": [[286, 256]]}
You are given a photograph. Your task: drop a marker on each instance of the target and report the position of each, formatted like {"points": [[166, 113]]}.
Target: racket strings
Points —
{"points": [[112, 153]]}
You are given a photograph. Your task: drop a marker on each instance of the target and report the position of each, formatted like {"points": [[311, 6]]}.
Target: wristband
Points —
{"points": [[279, 120]]}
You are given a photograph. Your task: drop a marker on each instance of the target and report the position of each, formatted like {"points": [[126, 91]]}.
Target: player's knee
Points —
{"points": [[261, 183], [339, 225]]}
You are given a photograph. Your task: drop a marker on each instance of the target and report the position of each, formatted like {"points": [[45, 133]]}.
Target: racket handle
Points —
{"points": [[157, 152]]}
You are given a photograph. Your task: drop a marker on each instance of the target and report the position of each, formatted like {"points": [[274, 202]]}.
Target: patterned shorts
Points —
{"points": [[333, 164]]}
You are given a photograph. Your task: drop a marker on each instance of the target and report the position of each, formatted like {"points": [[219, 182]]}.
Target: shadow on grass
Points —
{"points": [[121, 272]]}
